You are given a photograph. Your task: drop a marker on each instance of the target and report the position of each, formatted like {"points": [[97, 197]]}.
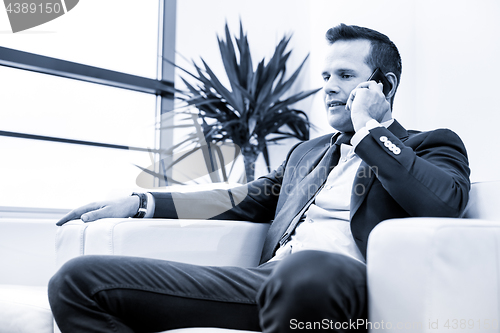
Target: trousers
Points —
{"points": [[311, 290]]}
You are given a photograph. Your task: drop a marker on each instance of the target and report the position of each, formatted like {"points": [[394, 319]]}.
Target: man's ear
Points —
{"points": [[391, 77]]}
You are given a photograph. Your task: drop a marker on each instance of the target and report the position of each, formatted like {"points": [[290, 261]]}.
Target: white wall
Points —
{"points": [[449, 50], [458, 69]]}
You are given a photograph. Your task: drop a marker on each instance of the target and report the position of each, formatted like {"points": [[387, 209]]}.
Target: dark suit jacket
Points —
{"points": [[429, 176]]}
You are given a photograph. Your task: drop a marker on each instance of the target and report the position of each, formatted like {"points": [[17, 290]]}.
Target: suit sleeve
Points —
{"points": [[255, 201], [427, 175]]}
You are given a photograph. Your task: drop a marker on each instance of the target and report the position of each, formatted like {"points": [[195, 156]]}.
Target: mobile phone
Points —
{"points": [[378, 76]]}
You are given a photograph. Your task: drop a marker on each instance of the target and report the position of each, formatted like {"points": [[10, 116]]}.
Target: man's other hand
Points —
{"points": [[123, 207]]}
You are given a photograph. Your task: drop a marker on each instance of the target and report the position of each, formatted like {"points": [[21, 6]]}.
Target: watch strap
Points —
{"points": [[143, 205]]}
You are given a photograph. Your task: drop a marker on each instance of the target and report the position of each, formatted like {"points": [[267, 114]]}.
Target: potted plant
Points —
{"points": [[251, 113]]}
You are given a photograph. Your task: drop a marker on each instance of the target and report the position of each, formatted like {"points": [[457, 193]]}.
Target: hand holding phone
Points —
{"points": [[371, 105], [379, 77]]}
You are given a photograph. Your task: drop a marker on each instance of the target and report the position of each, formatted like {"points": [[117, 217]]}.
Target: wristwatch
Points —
{"points": [[143, 205]]}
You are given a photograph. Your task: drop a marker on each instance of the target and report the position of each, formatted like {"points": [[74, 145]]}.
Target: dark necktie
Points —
{"points": [[317, 177], [304, 195]]}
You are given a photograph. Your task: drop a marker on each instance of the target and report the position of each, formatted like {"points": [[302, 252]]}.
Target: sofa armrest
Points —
{"points": [[435, 271], [202, 242]]}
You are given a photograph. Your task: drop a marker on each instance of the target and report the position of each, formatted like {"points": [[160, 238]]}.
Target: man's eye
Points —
{"points": [[326, 78], [346, 76]]}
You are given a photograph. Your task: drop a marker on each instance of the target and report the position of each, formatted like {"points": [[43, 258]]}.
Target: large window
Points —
{"points": [[81, 103], [120, 35]]}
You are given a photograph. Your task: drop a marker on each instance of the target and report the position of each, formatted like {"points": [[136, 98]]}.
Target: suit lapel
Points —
{"points": [[289, 213], [312, 157], [365, 176]]}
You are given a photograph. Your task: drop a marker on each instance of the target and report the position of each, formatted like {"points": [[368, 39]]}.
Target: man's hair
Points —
{"points": [[383, 54]]}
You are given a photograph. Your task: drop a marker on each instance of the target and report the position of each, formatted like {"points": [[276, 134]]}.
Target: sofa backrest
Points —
{"points": [[484, 201]]}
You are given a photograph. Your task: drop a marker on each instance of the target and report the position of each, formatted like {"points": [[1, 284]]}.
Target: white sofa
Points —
{"points": [[424, 274], [27, 261]]}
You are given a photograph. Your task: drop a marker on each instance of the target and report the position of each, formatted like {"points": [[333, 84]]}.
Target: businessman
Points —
{"points": [[324, 200]]}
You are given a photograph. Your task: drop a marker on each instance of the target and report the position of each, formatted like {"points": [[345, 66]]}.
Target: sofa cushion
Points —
{"points": [[25, 309]]}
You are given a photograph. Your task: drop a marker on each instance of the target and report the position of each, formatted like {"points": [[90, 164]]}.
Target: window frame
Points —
{"points": [[162, 87]]}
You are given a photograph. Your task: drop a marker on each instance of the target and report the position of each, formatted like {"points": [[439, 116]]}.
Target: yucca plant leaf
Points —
{"points": [[291, 100], [219, 87], [158, 175], [271, 71], [246, 93], [246, 64], [190, 139], [228, 55], [265, 153], [278, 138], [247, 110], [184, 70], [255, 85], [192, 89], [183, 157], [273, 68], [297, 123], [281, 88], [221, 162]]}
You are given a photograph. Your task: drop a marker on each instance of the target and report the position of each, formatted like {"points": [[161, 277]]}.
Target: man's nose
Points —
{"points": [[331, 87]]}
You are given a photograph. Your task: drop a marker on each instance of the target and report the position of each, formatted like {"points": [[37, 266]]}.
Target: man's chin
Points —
{"points": [[341, 127], [341, 121]]}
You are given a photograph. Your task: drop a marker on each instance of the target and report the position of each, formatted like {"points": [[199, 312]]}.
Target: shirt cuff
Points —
{"points": [[151, 206], [362, 132]]}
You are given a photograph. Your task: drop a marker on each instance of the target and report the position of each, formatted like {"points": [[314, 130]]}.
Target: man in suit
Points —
{"points": [[324, 200]]}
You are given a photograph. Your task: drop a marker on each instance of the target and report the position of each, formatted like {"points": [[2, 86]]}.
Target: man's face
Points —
{"points": [[344, 69]]}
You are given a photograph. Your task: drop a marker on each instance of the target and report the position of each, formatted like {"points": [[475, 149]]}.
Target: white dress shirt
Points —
{"points": [[326, 226]]}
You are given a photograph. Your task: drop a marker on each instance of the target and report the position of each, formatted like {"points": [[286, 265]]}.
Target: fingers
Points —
{"points": [[350, 99], [124, 207], [95, 214], [370, 85], [78, 212], [379, 86], [68, 217]]}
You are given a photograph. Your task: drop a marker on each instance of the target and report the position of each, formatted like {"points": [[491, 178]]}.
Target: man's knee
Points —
{"points": [[308, 270], [75, 276], [313, 285]]}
